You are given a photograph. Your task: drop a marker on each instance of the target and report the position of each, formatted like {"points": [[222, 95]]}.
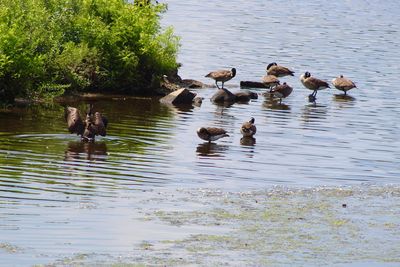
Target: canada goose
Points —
{"points": [[282, 91], [222, 76], [343, 84], [94, 124], [278, 70], [211, 133], [270, 81], [313, 84], [248, 128]]}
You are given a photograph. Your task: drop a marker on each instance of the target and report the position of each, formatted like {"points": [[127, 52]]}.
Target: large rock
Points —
{"points": [[223, 95], [190, 83], [178, 97]]}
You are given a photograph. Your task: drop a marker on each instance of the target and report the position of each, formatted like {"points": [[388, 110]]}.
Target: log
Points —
{"points": [[250, 84]]}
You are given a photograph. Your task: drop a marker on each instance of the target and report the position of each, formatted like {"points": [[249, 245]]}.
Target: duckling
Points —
{"points": [[343, 84], [222, 76], [94, 124], [211, 133], [278, 70], [248, 128], [313, 84], [282, 91]]}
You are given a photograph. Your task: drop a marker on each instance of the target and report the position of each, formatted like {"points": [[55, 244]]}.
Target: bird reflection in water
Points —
{"points": [[275, 105], [222, 106], [211, 150], [344, 101], [343, 98], [86, 150], [247, 141], [314, 112]]}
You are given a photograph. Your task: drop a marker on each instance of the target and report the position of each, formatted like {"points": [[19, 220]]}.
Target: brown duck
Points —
{"points": [[94, 123], [313, 84], [248, 128], [222, 76], [270, 81], [282, 91], [278, 70], [211, 133], [343, 84]]}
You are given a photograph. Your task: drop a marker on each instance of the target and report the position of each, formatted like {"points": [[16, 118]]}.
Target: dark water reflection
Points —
{"points": [[247, 141], [272, 104], [78, 150], [211, 150]]}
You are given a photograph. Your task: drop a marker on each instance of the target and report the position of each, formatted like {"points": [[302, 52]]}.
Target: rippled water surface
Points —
{"points": [[59, 197]]}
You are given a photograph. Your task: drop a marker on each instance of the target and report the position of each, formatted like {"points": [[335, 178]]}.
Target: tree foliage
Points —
{"points": [[49, 46]]}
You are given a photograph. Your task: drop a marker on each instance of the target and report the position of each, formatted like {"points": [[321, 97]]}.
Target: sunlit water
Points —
{"points": [[59, 196]]}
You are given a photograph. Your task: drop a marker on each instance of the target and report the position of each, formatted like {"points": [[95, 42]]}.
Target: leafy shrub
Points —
{"points": [[51, 46]]}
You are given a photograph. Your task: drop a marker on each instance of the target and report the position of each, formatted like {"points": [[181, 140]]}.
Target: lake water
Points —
{"points": [[60, 197]]}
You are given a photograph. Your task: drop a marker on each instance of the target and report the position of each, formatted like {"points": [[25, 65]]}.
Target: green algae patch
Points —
{"points": [[9, 248], [283, 226]]}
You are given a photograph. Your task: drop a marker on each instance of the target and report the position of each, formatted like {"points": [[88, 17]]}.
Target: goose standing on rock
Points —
{"points": [[282, 91], [313, 84], [94, 123], [278, 70], [343, 84], [248, 128], [211, 133], [222, 76]]}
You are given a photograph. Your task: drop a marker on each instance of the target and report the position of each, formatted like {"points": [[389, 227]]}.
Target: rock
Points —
{"points": [[190, 83], [223, 95], [165, 87], [250, 84], [245, 96], [178, 97]]}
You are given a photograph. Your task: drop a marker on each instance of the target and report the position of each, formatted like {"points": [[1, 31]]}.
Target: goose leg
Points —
{"points": [[222, 85], [216, 83], [312, 98]]}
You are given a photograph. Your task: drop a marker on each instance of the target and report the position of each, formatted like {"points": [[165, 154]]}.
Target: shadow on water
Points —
{"points": [[207, 149], [86, 150]]}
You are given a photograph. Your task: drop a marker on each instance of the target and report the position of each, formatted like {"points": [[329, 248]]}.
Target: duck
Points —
{"points": [[278, 70], [343, 84], [93, 125], [248, 129], [313, 84], [282, 91], [211, 133], [270, 81], [222, 76]]}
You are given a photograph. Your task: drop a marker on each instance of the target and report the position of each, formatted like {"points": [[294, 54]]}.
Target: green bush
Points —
{"points": [[51, 46]]}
